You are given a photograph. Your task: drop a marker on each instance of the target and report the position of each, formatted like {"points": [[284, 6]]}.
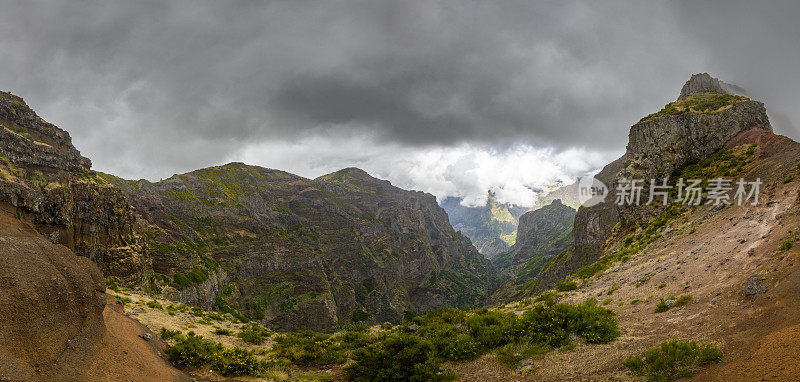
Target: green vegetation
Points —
{"points": [[308, 348], [612, 290], [254, 334], [455, 335], [223, 332], [673, 359], [154, 305], [192, 352], [566, 285], [787, 244], [703, 103], [723, 163], [680, 301], [167, 334]]}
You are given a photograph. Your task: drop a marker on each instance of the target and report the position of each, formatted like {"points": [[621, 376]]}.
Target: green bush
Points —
{"points": [[308, 348], [552, 324], [154, 305], [192, 352], [399, 357], [254, 334], [168, 334], [673, 359], [223, 332], [511, 354], [566, 285]]}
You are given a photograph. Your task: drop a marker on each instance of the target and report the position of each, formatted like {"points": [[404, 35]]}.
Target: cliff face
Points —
{"points": [[660, 145], [541, 235], [45, 179], [302, 253]]}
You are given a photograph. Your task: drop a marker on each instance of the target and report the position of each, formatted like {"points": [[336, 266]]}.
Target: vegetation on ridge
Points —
{"points": [[702, 103], [673, 359]]}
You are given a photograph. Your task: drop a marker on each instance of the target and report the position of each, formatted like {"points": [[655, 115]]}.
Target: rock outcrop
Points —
{"points": [[659, 146], [45, 177]]}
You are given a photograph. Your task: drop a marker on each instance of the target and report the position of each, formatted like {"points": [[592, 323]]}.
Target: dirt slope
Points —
{"points": [[54, 321]]}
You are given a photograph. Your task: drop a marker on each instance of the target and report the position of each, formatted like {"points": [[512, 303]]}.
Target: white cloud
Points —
{"points": [[515, 173]]}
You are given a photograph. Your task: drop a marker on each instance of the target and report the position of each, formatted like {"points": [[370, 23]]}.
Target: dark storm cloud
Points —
{"points": [[151, 88]]}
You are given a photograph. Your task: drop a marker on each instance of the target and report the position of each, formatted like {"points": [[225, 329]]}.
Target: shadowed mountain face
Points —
{"points": [[542, 234], [305, 253]]}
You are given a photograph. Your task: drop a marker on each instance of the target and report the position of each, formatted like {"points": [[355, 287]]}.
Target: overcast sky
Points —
{"points": [[450, 97]]}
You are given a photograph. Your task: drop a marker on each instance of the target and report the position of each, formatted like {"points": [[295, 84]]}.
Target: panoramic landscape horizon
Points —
{"points": [[399, 191]]}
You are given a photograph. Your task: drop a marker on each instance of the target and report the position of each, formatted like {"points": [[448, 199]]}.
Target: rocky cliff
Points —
{"points": [[686, 131], [45, 178], [541, 235], [305, 253]]}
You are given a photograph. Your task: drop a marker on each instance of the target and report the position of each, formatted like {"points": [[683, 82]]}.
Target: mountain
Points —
{"points": [[304, 253], [542, 234], [54, 315], [659, 145], [492, 228]]}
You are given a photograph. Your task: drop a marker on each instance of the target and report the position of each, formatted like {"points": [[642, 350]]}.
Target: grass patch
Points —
{"points": [[566, 285], [673, 359], [703, 103]]}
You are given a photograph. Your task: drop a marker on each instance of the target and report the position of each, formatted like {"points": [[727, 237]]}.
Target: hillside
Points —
{"points": [[304, 253]]}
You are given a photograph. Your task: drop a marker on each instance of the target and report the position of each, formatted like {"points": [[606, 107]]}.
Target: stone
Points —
{"points": [[755, 285], [669, 303], [146, 336]]}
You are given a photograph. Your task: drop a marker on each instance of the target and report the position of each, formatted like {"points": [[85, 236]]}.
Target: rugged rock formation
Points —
{"points": [[53, 316], [661, 144], [303, 253], [542, 234], [46, 178], [704, 83]]}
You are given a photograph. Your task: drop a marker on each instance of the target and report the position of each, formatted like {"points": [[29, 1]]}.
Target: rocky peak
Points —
{"points": [[27, 140], [704, 83]]}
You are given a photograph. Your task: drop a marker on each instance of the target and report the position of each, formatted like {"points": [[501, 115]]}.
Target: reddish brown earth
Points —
{"points": [[55, 324]]}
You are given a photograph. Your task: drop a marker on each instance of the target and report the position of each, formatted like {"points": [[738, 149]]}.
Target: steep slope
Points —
{"points": [[542, 234], [47, 179], [492, 228], [302, 253], [736, 265], [660, 145], [53, 316]]}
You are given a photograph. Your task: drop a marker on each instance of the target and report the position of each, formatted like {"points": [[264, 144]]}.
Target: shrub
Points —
{"points": [[223, 332], [192, 351], [309, 348], [552, 324], [254, 334], [673, 359], [154, 305], [168, 334], [788, 179], [683, 300], [511, 354], [399, 357], [566, 285], [112, 284]]}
